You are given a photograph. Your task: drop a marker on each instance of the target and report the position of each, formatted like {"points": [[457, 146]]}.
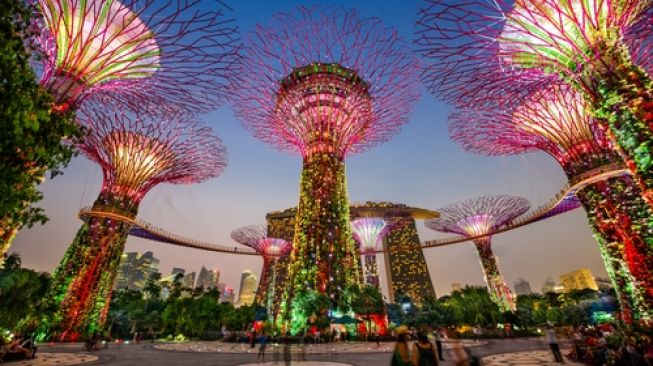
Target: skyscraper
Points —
{"points": [[578, 280], [549, 285], [189, 280], [406, 266], [208, 279], [247, 288], [134, 270], [522, 287]]}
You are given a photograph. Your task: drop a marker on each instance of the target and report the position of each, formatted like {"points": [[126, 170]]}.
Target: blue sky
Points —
{"points": [[420, 166]]}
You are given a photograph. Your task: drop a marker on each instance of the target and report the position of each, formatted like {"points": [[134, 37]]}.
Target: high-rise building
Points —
{"points": [[456, 286], [578, 280], [189, 280], [522, 287], [208, 279], [406, 269], [134, 270], [549, 285], [247, 288], [405, 262], [176, 270], [127, 262]]}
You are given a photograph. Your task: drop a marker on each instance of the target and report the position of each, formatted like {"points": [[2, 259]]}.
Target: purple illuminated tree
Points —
{"points": [[557, 121], [135, 154], [137, 53], [271, 249], [324, 83], [486, 51], [480, 216], [369, 232]]}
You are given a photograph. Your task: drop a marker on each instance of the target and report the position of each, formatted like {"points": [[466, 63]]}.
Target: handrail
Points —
{"points": [[145, 230], [564, 201]]}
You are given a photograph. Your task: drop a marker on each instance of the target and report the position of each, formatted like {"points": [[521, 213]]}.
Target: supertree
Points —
{"points": [[480, 216], [482, 49], [557, 121], [369, 232], [137, 53], [135, 154], [324, 83], [271, 249]]}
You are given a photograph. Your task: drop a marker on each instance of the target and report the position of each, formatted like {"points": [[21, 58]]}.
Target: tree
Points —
{"points": [[21, 293], [31, 133]]}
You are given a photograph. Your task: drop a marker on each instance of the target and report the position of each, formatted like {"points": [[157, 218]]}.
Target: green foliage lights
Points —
{"points": [[345, 84], [135, 154], [487, 53], [478, 216]]}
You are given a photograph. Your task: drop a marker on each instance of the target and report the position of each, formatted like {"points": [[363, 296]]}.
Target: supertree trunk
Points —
{"points": [[497, 287], [620, 220], [621, 98], [264, 283], [82, 283], [371, 270], [324, 256]]}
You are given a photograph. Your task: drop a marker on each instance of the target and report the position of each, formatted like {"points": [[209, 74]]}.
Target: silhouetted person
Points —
{"points": [[262, 347], [287, 351], [438, 344], [424, 352], [401, 356], [553, 343]]}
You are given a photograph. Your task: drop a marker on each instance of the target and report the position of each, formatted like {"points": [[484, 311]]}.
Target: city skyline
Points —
{"points": [[419, 167]]}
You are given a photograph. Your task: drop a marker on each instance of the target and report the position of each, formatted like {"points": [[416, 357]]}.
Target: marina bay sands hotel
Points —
{"points": [[405, 266]]}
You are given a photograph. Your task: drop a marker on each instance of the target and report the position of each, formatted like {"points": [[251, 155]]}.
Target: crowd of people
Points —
{"points": [[605, 346], [424, 352]]}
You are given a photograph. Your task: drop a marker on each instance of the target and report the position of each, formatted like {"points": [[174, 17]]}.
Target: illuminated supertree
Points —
{"points": [[324, 83], [271, 249], [137, 53], [480, 216], [369, 232], [557, 121], [135, 153], [482, 49]]}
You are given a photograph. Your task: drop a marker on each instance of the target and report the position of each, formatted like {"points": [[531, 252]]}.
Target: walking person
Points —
{"points": [[460, 356], [287, 351], [401, 355], [553, 343], [424, 352], [438, 344], [262, 347]]}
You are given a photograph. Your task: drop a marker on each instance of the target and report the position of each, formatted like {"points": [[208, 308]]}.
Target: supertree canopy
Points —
{"points": [[480, 216], [137, 51], [479, 51], [324, 83], [557, 121], [135, 154], [271, 249], [369, 232]]}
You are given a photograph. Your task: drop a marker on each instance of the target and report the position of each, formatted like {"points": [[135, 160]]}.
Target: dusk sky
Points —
{"points": [[420, 167]]}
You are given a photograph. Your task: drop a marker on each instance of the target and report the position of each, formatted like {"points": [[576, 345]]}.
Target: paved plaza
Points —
{"points": [[526, 358], [309, 348], [494, 352], [59, 358]]}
